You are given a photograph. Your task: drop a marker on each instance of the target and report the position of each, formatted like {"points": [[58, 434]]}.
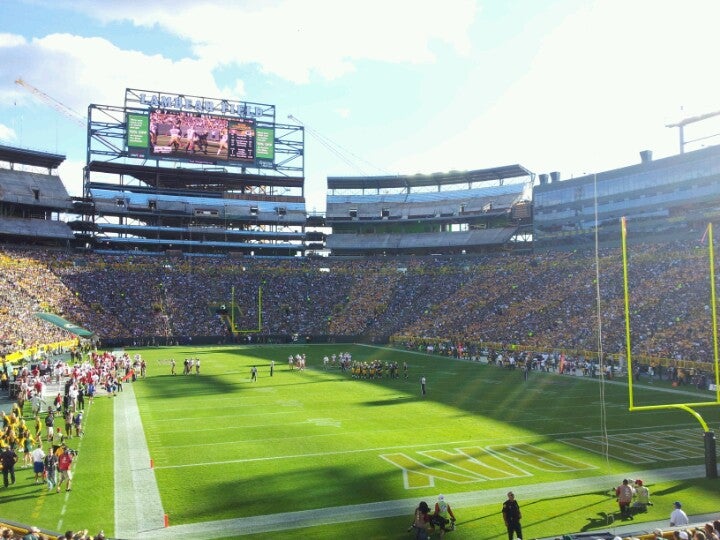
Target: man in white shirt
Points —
{"points": [[38, 404], [678, 517], [38, 456]]}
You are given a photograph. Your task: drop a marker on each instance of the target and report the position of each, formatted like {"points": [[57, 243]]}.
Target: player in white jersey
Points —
{"points": [[175, 135]]}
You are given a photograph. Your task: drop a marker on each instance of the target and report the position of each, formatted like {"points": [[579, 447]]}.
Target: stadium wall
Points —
{"points": [[661, 199]]}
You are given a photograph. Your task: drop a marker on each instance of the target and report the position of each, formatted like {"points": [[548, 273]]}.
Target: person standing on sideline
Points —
{"points": [[677, 517], [253, 374], [51, 462], [50, 423], [68, 418], [8, 459], [25, 441], [57, 440], [511, 515], [423, 388], [172, 366], [64, 463], [77, 421], [81, 397], [38, 456], [422, 524], [272, 367]]}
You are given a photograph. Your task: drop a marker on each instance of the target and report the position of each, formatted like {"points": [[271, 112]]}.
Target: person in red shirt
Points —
{"points": [[624, 495], [65, 460]]}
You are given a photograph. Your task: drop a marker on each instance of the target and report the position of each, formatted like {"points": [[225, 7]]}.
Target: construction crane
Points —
{"points": [[338, 150], [76, 117], [681, 128]]}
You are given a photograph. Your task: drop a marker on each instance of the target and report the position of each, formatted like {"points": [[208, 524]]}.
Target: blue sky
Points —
{"points": [[393, 86]]}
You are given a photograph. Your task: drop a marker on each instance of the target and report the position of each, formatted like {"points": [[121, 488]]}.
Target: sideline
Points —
{"points": [[139, 512], [138, 506], [620, 380], [403, 507]]}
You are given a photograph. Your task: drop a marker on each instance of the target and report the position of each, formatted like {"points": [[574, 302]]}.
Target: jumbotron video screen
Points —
{"points": [[179, 135]]}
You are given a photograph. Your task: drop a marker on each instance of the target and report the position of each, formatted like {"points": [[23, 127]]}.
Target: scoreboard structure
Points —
{"points": [[188, 128], [191, 174]]}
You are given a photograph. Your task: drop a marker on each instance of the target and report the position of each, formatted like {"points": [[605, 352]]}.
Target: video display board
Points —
{"points": [[191, 136]]}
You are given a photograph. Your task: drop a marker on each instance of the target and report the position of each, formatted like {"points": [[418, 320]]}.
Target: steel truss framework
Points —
{"points": [[197, 206]]}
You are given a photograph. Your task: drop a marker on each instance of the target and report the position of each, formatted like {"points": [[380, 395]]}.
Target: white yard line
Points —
{"points": [[404, 507], [375, 450], [138, 506], [139, 512]]}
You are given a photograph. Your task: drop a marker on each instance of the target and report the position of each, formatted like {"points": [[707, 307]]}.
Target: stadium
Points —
{"points": [[561, 348]]}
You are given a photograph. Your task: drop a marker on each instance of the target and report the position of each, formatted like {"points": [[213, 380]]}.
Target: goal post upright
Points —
{"points": [[708, 435], [713, 306], [234, 329]]}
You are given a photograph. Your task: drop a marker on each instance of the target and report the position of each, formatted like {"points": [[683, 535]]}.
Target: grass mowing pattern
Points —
{"points": [[90, 503], [224, 447]]}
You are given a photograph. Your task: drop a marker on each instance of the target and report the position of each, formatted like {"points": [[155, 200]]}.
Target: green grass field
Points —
{"points": [[225, 448]]}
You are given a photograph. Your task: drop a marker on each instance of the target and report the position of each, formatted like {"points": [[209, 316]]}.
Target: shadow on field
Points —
{"points": [[180, 386], [19, 492], [240, 490], [600, 519], [604, 519], [393, 401], [678, 487]]}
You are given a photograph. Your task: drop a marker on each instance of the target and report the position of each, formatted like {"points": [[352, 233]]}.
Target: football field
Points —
{"points": [[319, 453]]}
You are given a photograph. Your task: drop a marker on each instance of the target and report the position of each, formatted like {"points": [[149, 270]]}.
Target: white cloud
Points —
{"points": [[11, 40], [7, 133], [290, 39], [294, 40], [237, 90], [71, 173], [76, 71], [602, 81], [602, 84]]}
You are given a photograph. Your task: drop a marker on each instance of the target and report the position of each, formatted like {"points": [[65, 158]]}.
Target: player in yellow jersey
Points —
{"points": [[38, 428], [25, 442]]}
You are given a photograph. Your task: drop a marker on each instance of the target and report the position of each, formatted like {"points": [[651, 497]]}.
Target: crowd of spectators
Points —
{"points": [[27, 287], [706, 531], [55, 391], [540, 302], [568, 300], [19, 532]]}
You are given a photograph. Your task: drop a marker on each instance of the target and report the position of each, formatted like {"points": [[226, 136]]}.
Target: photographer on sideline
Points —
{"points": [[65, 459], [443, 516]]}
